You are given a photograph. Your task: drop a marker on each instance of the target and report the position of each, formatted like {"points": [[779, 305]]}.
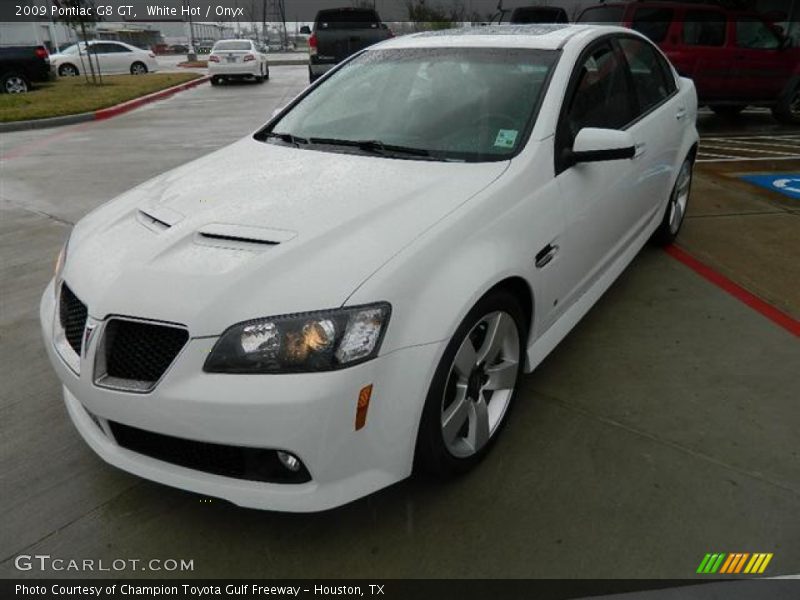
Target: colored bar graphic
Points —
{"points": [[734, 563]]}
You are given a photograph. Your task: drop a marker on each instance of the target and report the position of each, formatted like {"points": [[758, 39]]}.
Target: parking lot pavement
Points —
{"points": [[663, 427]]}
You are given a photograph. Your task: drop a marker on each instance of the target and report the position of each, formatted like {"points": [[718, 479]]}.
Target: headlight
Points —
{"points": [[314, 341]]}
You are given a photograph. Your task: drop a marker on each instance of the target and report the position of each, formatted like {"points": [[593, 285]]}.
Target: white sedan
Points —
{"points": [[237, 59], [108, 56], [301, 318]]}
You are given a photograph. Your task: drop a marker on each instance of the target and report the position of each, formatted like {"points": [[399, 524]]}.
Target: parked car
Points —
{"points": [[111, 56], [21, 66], [294, 321], [523, 15], [237, 59], [736, 58], [178, 49], [339, 33]]}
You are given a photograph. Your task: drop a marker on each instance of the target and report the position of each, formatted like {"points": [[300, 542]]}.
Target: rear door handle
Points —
{"points": [[545, 255], [641, 149], [680, 114]]}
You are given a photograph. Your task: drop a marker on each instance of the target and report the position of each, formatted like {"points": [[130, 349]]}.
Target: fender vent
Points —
{"points": [[236, 238]]}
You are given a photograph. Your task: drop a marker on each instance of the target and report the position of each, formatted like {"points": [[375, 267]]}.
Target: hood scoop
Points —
{"points": [[242, 237], [158, 218]]}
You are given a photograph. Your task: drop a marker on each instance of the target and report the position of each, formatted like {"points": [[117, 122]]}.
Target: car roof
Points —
{"points": [[539, 36]]}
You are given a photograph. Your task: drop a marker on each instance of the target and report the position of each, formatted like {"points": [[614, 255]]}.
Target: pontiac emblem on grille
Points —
{"points": [[88, 331]]}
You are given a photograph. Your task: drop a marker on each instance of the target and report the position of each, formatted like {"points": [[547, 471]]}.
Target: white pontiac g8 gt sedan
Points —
{"points": [[300, 318]]}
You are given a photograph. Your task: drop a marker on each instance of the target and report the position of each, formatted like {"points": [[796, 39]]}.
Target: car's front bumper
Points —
{"points": [[311, 415]]}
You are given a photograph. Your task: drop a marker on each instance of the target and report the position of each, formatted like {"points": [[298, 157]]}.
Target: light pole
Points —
{"points": [[191, 55]]}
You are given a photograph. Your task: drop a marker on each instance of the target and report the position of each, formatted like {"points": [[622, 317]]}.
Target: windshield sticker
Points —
{"points": [[505, 138]]}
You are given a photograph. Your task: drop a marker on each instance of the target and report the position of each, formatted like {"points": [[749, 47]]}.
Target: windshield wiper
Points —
{"points": [[375, 146], [286, 137]]}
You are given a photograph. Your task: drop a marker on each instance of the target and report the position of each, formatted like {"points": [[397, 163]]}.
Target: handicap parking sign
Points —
{"points": [[787, 184]]}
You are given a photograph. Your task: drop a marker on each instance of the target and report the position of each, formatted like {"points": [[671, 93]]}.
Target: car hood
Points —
{"points": [[258, 229]]}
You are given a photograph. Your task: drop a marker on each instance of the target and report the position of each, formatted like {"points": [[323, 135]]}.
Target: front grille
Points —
{"points": [[239, 462], [141, 351], [72, 315]]}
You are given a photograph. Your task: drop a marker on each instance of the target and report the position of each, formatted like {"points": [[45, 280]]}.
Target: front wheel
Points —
{"points": [[676, 207], [473, 387], [68, 70]]}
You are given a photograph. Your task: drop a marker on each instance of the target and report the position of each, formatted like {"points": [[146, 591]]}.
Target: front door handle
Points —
{"points": [[545, 255], [680, 114], [641, 149]]}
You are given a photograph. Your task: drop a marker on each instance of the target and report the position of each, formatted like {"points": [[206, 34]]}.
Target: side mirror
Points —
{"points": [[601, 145], [305, 29]]}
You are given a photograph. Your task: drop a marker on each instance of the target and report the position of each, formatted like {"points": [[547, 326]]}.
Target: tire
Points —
{"points": [[216, 80], [138, 68], [261, 78], [68, 70], [311, 77], [676, 207], [462, 416], [788, 107], [14, 83], [266, 75], [728, 111]]}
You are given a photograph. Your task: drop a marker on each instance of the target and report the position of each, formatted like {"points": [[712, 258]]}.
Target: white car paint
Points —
{"points": [[111, 56], [236, 63], [353, 230]]}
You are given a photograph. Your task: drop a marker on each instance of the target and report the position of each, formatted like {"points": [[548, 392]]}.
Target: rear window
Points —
{"points": [[704, 28], [653, 22], [348, 19], [233, 45], [603, 14]]}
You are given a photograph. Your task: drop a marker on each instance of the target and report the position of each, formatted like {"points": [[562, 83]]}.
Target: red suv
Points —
{"points": [[736, 58]]}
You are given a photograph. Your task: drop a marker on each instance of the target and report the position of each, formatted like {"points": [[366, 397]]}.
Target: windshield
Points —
{"points": [[231, 46], [472, 104], [73, 49]]}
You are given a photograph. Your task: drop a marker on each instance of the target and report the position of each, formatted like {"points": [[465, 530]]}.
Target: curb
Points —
{"points": [[103, 113]]}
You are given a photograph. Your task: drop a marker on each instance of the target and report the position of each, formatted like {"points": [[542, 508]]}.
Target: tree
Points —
{"points": [[77, 18]]}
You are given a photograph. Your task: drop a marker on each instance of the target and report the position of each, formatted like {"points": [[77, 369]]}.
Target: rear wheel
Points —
{"points": [[473, 387], [68, 70], [266, 75], [216, 80], [14, 83], [676, 207], [728, 111], [788, 108], [138, 68], [311, 77]]}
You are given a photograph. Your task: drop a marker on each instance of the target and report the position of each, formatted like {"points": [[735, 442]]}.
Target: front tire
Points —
{"points": [[14, 83], [676, 207], [138, 68], [68, 70], [473, 387], [216, 81]]}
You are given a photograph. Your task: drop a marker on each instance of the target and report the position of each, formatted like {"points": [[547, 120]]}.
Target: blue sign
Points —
{"points": [[787, 184]]}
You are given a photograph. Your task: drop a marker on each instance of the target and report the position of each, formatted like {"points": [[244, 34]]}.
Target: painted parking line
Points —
{"points": [[762, 307], [749, 148]]}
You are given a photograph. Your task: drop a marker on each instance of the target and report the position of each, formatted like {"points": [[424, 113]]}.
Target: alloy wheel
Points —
{"points": [[680, 198], [480, 384], [15, 85]]}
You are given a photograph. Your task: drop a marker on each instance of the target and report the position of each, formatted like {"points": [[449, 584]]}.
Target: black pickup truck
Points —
{"points": [[339, 33], [20, 66]]}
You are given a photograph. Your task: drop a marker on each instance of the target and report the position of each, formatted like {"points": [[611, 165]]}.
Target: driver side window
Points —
{"points": [[601, 97]]}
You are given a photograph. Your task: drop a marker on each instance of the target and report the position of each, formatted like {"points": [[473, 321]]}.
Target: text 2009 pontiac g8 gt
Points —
{"points": [[298, 319]]}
